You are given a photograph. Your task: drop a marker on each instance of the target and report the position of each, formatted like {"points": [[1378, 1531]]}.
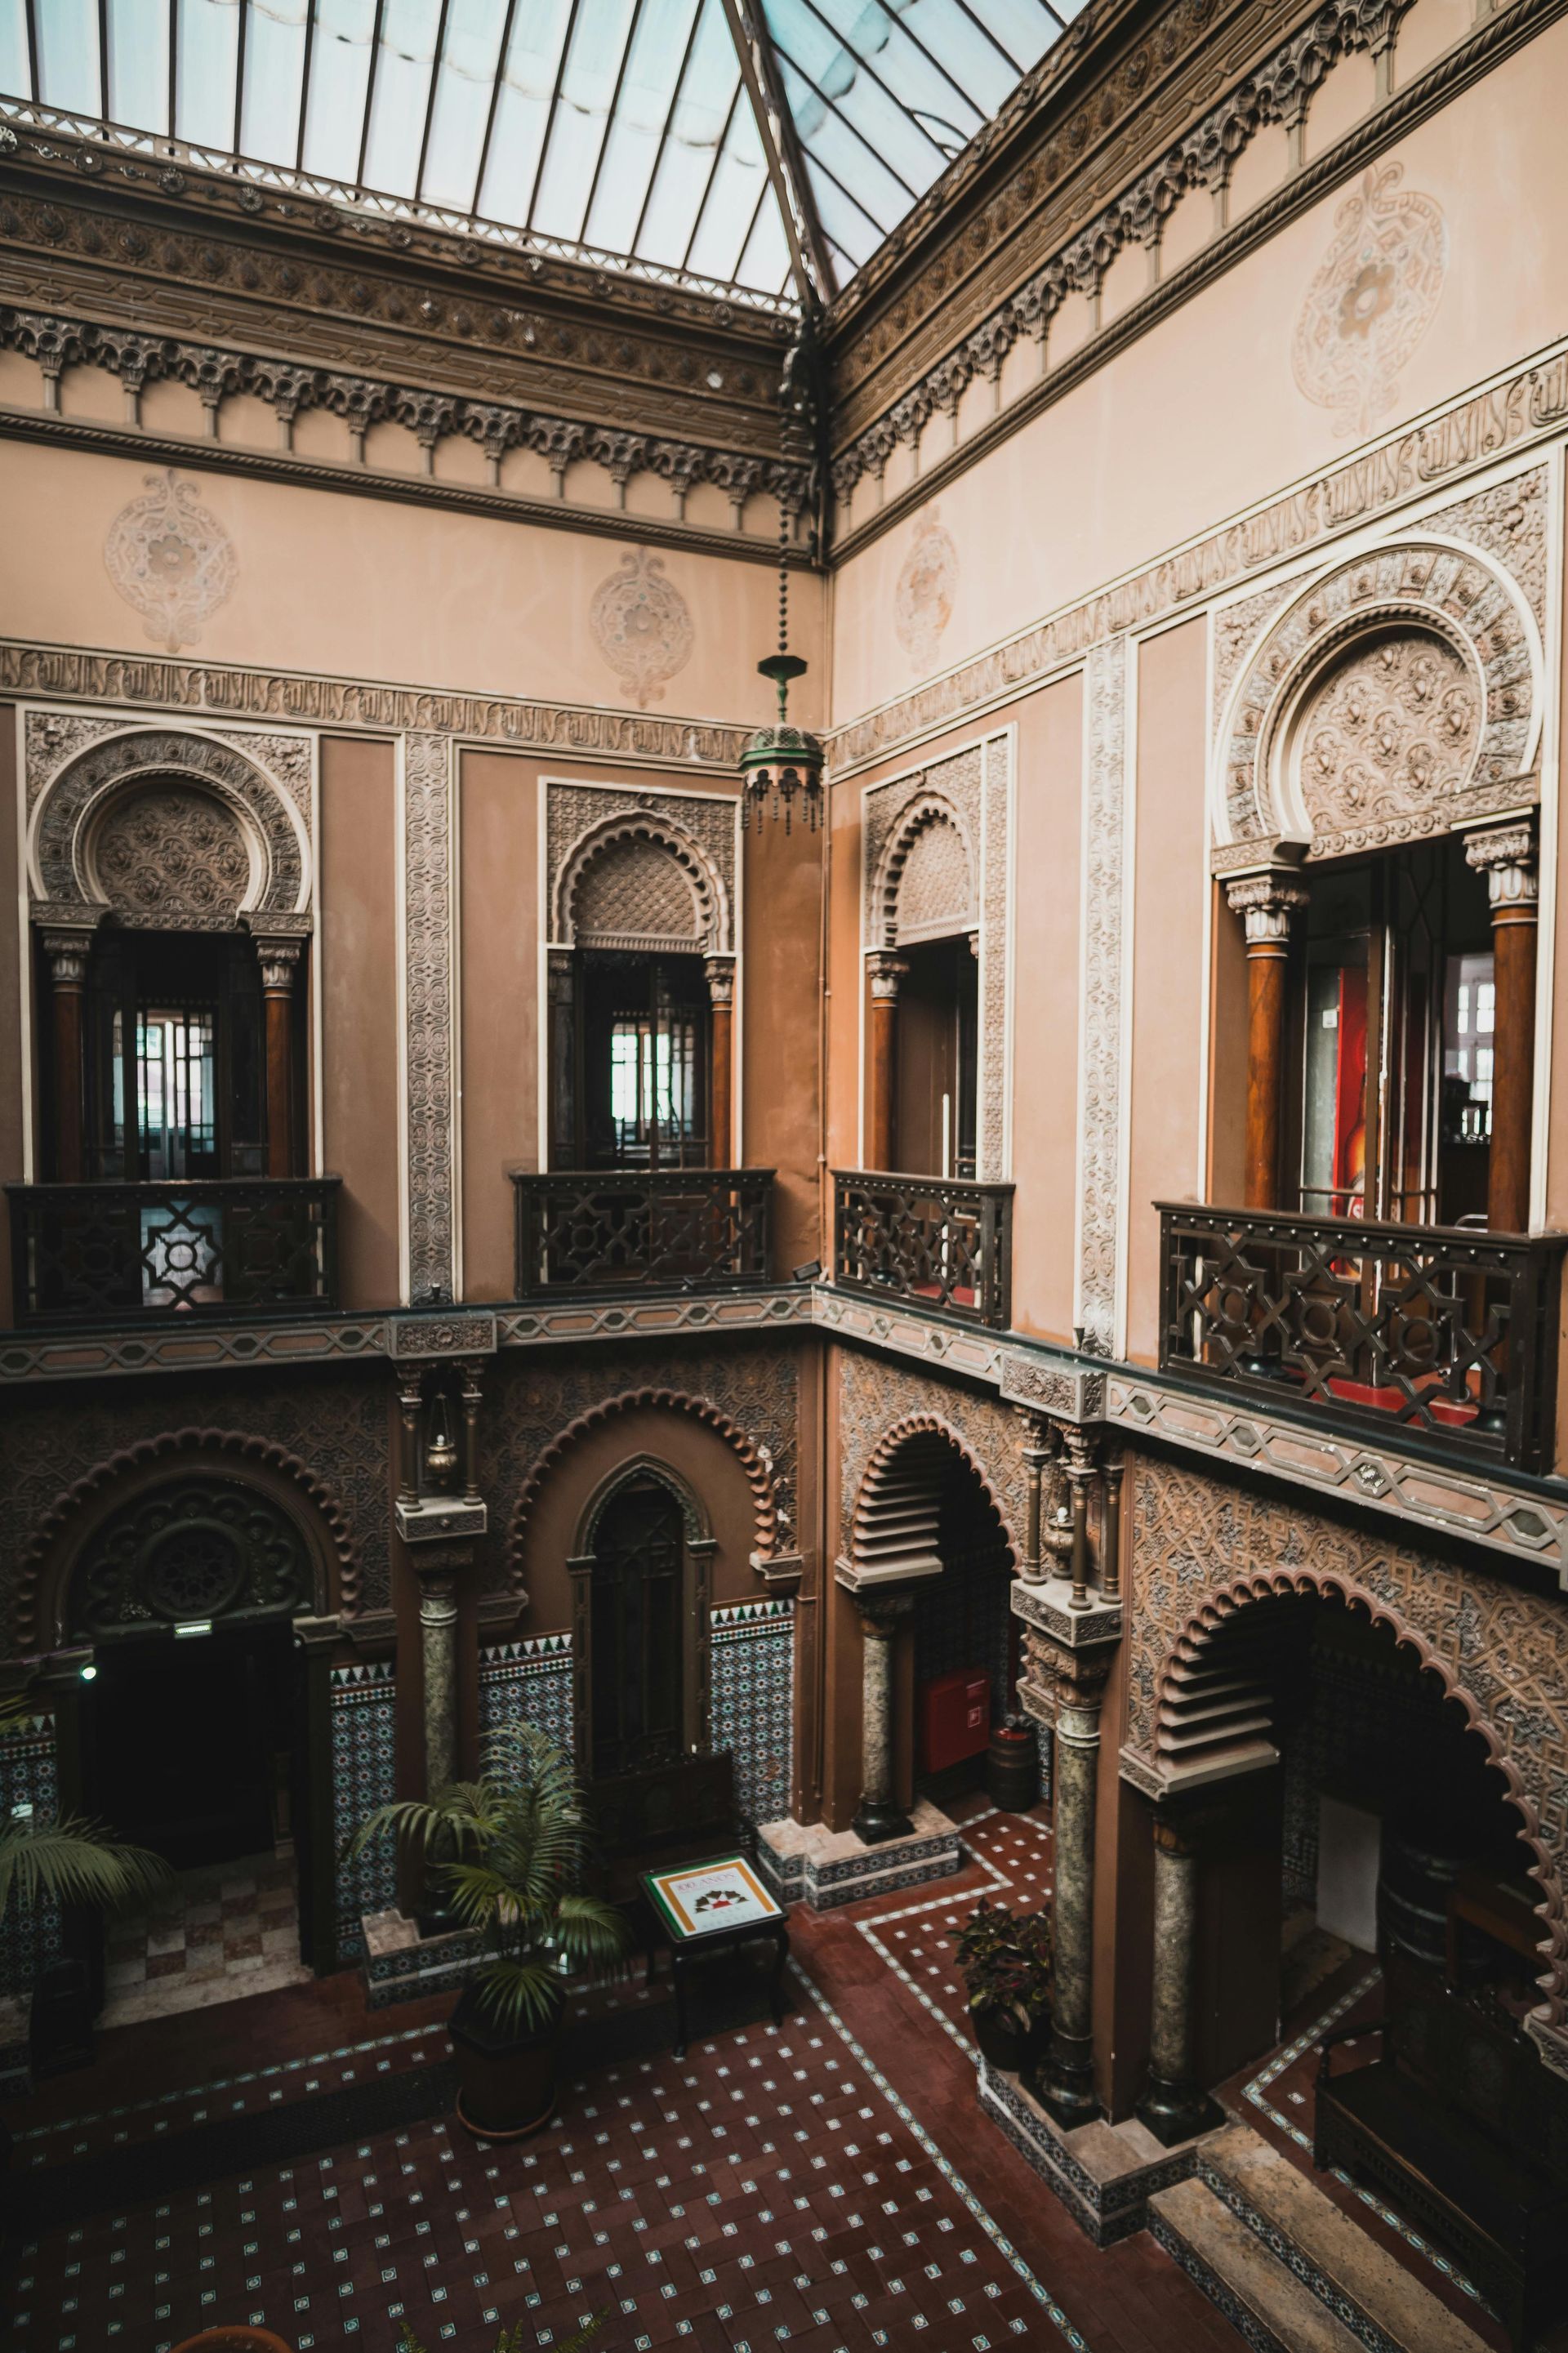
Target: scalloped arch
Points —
{"points": [[1264, 1586], [924, 808], [655, 826], [864, 1521], [765, 1501], [44, 1573]]}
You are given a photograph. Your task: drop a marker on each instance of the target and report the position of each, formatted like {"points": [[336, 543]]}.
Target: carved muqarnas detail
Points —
{"points": [[931, 880], [201, 1548], [642, 626], [1371, 300], [171, 858], [635, 889], [171, 559], [1388, 732]]}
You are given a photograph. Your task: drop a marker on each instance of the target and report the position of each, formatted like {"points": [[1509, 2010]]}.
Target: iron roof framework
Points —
{"points": [[760, 150]]}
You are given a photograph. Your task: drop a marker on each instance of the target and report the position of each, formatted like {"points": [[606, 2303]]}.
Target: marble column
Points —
{"points": [[1266, 903], [436, 1566], [1175, 2106], [1065, 2083], [881, 1127], [1507, 857], [879, 1816]]}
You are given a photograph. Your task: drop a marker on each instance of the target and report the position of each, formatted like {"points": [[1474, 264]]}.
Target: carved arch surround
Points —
{"points": [[664, 842], [765, 1501], [1421, 586], [915, 825], [74, 1517], [693, 1511], [89, 783], [865, 1519]]}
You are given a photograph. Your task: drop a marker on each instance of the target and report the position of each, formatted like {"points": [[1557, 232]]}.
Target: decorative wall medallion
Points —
{"points": [[1388, 731], [642, 626], [171, 559], [927, 585], [1372, 300], [198, 1548]]}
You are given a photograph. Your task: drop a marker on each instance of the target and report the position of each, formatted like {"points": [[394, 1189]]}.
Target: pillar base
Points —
{"points": [[880, 1820], [1063, 2083], [1177, 2112], [824, 1868]]}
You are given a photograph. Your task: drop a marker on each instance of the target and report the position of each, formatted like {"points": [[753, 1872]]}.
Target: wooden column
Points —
{"points": [[279, 960], [881, 1131], [68, 952], [1507, 857], [721, 972], [1265, 902]]}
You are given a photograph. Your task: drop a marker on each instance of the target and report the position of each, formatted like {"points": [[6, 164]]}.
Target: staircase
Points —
{"points": [[1287, 2267]]}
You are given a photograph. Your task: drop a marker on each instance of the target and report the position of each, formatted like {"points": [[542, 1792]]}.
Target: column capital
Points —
{"points": [[887, 970], [1266, 903], [1506, 855], [720, 972], [883, 1613], [279, 961]]}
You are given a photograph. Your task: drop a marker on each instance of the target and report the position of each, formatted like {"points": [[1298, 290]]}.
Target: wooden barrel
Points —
{"points": [[1013, 1768]]}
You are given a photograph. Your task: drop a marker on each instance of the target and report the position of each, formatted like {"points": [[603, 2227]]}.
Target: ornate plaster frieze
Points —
{"points": [[1524, 407], [216, 373], [427, 911], [1464, 1502], [67, 673], [934, 862], [639, 868], [1101, 1042], [234, 799]]}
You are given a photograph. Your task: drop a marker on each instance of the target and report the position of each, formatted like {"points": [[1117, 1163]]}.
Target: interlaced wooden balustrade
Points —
{"points": [[221, 1246], [1441, 1333], [684, 1229], [945, 1244]]}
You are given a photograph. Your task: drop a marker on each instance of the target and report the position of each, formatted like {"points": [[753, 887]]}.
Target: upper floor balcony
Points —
{"points": [[937, 1242], [224, 1246], [642, 1230], [1443, 1334]]}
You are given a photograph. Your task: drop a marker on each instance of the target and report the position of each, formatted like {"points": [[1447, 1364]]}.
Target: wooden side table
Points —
{"points": [[706, 1907]]}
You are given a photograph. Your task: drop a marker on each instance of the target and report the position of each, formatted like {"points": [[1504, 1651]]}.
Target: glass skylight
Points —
{"points": [[625, 130]]}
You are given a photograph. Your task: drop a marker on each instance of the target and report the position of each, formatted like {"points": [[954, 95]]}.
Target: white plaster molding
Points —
{"points": [[426, 950], [1098, 1253]]}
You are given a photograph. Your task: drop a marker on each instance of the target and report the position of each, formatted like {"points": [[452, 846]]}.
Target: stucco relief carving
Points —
{"points": [[935, 892], [168, 857], [1389, 732], [96, 786], [658, 846], [1099, 1052], [1201, 1546], [171, 559], [925, 591], [642, 626], [1508, 522], [1469, 631], [427, 959], [876, 1398], [1372, 299]]}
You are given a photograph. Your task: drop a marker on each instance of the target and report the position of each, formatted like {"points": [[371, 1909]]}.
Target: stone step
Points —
{"points": [[1388, 2307], [1265, 2303]]}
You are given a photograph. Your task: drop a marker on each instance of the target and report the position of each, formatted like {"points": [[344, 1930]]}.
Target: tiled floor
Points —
{"points": [[232, 1928]]}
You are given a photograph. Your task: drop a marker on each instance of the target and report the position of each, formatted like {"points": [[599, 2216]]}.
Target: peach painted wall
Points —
{"points": [[1201, 416], [1171, 886], [361, 1099], [11, 1168], [368, 588], [782, 1028], [498, 839]]}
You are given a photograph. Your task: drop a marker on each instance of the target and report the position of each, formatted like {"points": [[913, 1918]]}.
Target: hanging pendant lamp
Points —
{"points": [[781, 764]]}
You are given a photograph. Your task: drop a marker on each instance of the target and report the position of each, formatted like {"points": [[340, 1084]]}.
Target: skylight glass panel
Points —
{"points": [[465, 84], [68, 56], [538, 33], [766, 260], [706, 103], [736, 193], [964, 44], [340, 82], [274, 79], [589, 87], [403, 68], [656, 62], [847, 83], [207, 57], [842, 155], [941, 107], [139, 64]]}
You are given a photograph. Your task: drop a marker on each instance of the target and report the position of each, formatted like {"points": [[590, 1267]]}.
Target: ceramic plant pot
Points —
{"points": [[506, 2076]]}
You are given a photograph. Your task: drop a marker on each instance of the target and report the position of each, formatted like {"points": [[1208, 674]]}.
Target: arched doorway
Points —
{"points": [[642, 1576]]}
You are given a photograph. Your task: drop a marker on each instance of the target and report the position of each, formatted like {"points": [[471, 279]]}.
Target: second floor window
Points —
{"points": [[643, 1068], [174, 1058]]}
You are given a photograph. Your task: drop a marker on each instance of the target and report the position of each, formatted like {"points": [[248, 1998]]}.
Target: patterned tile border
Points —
{"points": [[1105, 2211]]}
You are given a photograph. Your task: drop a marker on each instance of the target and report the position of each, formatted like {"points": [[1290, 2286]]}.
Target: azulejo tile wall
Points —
{"points": [[29, 1776], [363, 1702], [531, 1681], [751, 1709]]}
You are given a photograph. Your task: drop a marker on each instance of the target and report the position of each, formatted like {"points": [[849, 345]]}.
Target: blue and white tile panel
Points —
{"points": [[750, 1701], [528, 1681], [29, 1780], [363, 1703]]}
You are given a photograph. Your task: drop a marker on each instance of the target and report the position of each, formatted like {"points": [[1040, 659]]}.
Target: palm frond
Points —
{"points": [[75, 1861], [519, 1993]]}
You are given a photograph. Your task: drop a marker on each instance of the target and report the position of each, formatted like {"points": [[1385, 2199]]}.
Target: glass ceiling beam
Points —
{"points": [[370, 90], [813, 272], [436, 62], [671, 112], [496, 88]]}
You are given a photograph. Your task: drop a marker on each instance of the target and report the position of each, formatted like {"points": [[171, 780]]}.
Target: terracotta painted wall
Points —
{"points": [[782, 1028], [11, 1123], [498, 839], [358, 979]]}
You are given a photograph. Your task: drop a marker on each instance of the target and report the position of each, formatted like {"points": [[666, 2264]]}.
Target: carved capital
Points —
{"points": [[1506, 855], [883, 1612], [279, 960], [1266, 903], [887, 971], [719, 971], [68, 947]]}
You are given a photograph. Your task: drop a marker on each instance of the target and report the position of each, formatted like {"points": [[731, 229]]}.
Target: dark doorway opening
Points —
{"points": [[938, 1058], [194, 1741]]}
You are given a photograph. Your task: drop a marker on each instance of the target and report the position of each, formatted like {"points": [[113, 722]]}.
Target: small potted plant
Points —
{"points": [[509, 1850], [1005, 1961]]}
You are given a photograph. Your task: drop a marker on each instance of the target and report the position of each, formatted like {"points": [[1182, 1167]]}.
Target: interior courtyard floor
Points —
{"points": [[828, 2184], [231, 1929]]}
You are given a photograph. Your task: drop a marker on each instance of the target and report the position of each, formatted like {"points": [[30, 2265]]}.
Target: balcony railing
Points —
{"points": [[684, 1229], [935, 1240], [215, 1247], [1436, 1331]]}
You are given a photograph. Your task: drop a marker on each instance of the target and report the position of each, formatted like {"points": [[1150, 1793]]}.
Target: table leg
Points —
{"points": [[780, 1954], [678, 1974]]}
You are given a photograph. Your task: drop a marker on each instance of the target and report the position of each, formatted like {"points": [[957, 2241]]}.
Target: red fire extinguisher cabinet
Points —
{"points": [[954, 1718]]}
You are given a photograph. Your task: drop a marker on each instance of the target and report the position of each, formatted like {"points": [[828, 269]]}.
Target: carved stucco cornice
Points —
{"points": [[69, 155], [216, 372], [570, 730], [1523, 407], [1202, 157]]}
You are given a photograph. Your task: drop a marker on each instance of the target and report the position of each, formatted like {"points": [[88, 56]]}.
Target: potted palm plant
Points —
{"points": [[509, 1851], [1004, 1958]]}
